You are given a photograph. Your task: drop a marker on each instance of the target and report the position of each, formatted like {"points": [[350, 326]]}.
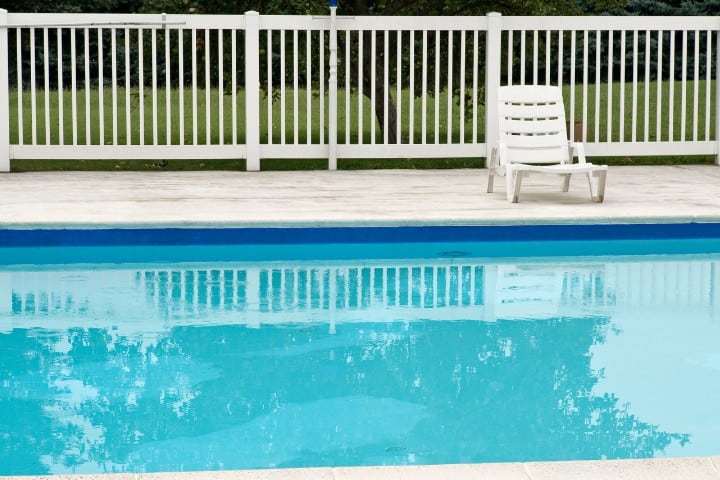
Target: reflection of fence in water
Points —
{"points": [[355, 288], [196, 291], [285, 291], [47, 293], [442, 291], [669, 283], [48, 302]]}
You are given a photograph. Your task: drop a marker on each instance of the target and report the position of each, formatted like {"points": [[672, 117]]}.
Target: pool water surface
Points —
{"points": [[364, 357]]}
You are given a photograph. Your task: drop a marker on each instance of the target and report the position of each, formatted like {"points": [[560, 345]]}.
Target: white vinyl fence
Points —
{"points": [[115, 86]]}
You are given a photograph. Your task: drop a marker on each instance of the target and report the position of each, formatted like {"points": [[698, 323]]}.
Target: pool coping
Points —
{"points": [[600, 220], [686, 468], [635, 194]]}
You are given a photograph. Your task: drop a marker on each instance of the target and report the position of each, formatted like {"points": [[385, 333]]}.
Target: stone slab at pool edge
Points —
{"points": [[653, 469], [377, 197]]}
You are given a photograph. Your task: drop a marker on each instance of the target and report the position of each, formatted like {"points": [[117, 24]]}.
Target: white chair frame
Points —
{"points": [[533, 139]]}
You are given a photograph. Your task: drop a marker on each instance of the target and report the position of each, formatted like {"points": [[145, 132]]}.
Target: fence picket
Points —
{"points": [[462, 87], [436, 112], [296, 88], [635, 86], [423, 124], [646, 116], [449, 86], [208, 87], [308, 87], [113, 75], [386, 85], [153, 70], [5, 93], [18, 40], [609, 100], [475, 87], [373, 67], [181, 86], [221, 106], [60, 88], [671, 97], [708, 81], [141, 89], [46, 78], [193, 50], [360, 89], [168, 89], [696, 85], [658, 100], [683, 88]]}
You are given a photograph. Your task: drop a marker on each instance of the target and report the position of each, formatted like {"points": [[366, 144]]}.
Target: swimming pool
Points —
{"points": [[447, 350]]}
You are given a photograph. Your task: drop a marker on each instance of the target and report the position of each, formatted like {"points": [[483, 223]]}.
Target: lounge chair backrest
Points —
{"points": [[532, 124]]}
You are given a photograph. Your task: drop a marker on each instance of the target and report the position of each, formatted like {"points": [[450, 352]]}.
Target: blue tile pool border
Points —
{"points": [[353, 234]]}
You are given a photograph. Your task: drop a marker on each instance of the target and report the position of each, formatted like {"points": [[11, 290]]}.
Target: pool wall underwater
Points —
{"points": [[107, 243], [355, 234]]}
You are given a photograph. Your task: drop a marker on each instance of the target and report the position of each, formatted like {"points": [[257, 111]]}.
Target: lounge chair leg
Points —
{"points": [[590, 184], [509, 184], [518, 182], [601, 186], [492, 169], [566, 182], [597, 194]]}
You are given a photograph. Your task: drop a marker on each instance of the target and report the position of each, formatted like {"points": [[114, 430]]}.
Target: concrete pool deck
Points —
{"points": [[657, 194], [381, 197]]}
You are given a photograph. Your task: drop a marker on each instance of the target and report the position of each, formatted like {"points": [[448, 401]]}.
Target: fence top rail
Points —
{"points": [[123, 20], [599, 22], [97, 25], [321, 22]]}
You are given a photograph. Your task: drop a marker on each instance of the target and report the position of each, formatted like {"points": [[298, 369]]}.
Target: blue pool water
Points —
{"points": [[223, 356]]}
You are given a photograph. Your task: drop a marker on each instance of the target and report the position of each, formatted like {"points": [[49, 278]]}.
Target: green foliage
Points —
{"points": [[652, 7], [73, 6]]}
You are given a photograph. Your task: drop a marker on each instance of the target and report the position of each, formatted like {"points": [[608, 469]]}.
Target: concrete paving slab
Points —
{"points": [[495, 471], [651, 469], [99, 476], [392, 197], [271, 474]]}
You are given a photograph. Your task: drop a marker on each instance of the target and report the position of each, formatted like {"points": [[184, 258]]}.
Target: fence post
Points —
{"points": [[4, 95], [717, 96], [252, 91], [493, 47], [332, 90]]}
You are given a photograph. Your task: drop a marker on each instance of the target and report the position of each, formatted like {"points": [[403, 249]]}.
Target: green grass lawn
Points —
{"points": [[212, 129]]}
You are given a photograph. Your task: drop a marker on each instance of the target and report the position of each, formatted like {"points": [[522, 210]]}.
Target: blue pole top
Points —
{"points": [[333, 3]]}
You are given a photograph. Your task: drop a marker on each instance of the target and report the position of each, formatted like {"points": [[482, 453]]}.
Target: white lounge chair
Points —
{"points": [[533, 139]]}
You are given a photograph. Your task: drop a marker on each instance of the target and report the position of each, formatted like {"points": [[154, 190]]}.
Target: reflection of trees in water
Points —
{"points": [[25, 432], [504, 391]]}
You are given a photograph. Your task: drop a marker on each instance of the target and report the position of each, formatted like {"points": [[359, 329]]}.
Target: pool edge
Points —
{"points": [[390, 222], [684, 468]]}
